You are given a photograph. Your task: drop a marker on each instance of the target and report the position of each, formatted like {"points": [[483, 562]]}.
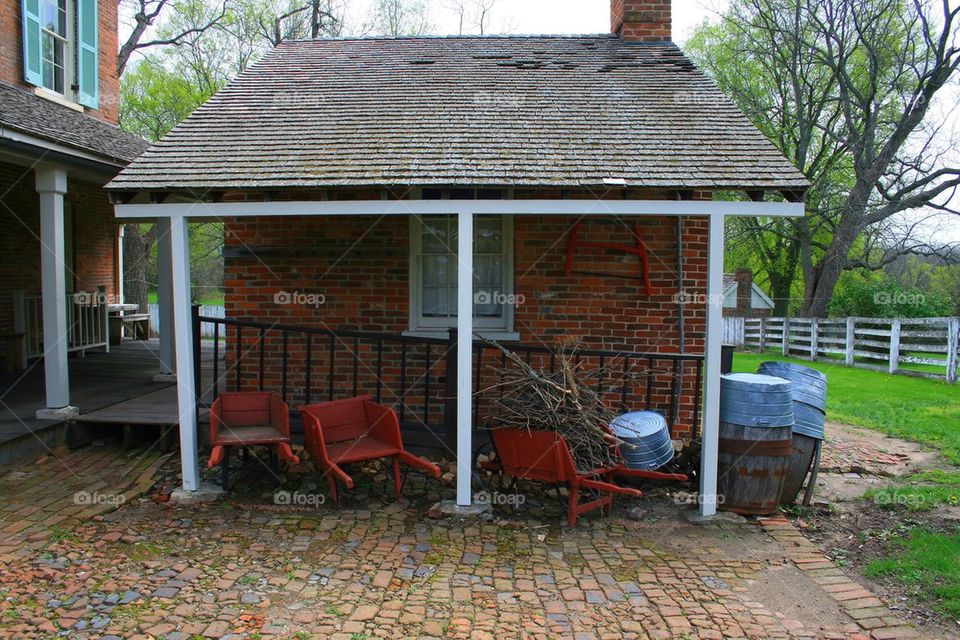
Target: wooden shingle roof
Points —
{"points": [[26, 113], [560, 111]]}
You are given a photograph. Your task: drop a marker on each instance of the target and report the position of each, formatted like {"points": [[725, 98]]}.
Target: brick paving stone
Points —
{"points": [[384, 570]]}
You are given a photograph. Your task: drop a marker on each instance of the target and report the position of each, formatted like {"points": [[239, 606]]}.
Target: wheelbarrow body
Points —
{"points": [[354, 430], [246, 419], [544, 456]]}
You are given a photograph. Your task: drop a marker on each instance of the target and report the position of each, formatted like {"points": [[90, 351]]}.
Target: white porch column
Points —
{"points": [[121, 268], [165, 301], [52, 185], [186, 397], [711, 386], [464, 353]]}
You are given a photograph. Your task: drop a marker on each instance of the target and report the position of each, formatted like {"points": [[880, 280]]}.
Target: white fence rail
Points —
{"points": [[206, 328], [86, 323], [924, 347]]}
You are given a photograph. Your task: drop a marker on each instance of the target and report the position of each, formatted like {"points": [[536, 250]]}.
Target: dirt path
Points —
{"points": [[856, 460]]}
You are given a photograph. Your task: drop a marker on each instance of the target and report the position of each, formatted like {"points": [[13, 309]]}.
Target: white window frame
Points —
{"points": [[501, 328], [69, 59]]}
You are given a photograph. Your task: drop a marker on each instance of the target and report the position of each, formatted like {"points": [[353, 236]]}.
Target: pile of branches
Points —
{"points": [[562, 402]]}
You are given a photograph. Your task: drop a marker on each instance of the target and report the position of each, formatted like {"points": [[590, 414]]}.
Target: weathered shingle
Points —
{"points": [[24, 112], [559, 111]]}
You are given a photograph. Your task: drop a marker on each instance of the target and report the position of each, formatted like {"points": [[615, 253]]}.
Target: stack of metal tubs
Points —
{"points": [[809, 392]]}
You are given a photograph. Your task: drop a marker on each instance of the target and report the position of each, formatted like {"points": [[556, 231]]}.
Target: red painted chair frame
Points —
{"points": [[245, 419], [544, 456], [355, 430]]}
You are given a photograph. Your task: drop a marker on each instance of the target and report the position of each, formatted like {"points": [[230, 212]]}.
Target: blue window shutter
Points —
{"points": [[32, 70], [88, 58]]}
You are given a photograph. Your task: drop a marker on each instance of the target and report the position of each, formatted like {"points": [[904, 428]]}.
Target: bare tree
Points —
{"points": [[401, 17], [145, 15], [473, 16]]}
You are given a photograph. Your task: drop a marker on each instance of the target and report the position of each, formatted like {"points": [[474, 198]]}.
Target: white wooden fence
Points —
{"points": [[206, 328], [924, 347]]}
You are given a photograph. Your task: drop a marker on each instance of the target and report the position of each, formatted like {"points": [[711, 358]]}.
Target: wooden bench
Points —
{"points": [[139, 324], [353, 430]]}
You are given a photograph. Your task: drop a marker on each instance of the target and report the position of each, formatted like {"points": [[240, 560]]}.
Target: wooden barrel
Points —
{"points": [[753, 465], [801, 458]]}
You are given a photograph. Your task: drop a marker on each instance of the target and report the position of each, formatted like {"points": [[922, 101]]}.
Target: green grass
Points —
{"points": [[927, 562], [923, 491], [917, 409], [212, 298]]}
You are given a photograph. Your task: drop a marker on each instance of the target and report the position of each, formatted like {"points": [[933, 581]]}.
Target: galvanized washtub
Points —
{"points": [[645, 437], [756, 429]]}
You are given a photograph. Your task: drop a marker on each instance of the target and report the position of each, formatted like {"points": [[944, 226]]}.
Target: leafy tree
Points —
{"points": [[844, 89], [876, 295], [154, 99]]}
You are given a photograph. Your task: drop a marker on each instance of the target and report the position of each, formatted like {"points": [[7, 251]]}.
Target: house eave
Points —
{"points": [[216, 210]]}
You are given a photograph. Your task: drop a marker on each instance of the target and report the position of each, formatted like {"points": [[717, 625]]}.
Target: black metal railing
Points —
{"points": [[417, 375]]}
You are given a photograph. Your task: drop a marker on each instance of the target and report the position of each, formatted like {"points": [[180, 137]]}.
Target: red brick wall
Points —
{"points": [[94, 236], [641, 20], [11, 54], [360, 266]]}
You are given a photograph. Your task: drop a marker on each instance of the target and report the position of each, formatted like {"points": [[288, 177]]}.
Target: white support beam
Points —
{"points": [[464, 354], [52, 185], [711, 384], [186, 395], [165, 298], [217, 210]]}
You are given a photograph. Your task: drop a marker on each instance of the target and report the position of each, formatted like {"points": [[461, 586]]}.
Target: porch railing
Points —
{"points": [[87, 322], [417, 375]]}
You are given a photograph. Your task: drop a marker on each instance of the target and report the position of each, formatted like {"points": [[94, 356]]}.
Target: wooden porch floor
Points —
{"points": [[115, 387]]}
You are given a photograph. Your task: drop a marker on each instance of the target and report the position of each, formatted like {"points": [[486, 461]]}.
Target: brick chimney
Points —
{"points": [[641, 20], [744, 280]]}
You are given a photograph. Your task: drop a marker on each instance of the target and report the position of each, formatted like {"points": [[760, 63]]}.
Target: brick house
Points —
{"points": [[559, 186], [59, 144], [743, 298]]}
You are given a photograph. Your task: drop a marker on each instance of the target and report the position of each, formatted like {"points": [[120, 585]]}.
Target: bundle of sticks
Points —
{"points": [[560, 401]]}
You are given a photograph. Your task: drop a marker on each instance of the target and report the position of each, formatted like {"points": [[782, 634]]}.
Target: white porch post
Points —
{"points": [[52, 185], [186, 398], [464, 353], [121, 268], [164, 299], [711, 390]]}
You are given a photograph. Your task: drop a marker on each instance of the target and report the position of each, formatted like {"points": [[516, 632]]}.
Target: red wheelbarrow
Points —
{"points": [[353, 430], [545, 457]]}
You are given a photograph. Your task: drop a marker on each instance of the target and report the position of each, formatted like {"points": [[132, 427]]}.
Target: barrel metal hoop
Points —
{"points": [[776, 448]]}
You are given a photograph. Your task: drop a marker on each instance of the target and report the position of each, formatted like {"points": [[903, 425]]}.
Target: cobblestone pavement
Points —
{"points": [[249, 569], [59, 491]]}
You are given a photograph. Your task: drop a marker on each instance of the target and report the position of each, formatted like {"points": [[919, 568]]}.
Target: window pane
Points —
{"points": [[50, 16], [488, 271], [435, 270], [489, 235], [434, 234], [435, 302]]}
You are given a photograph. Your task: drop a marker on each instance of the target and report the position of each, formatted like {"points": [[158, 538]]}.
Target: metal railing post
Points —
{"points": [[450, 399]]}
